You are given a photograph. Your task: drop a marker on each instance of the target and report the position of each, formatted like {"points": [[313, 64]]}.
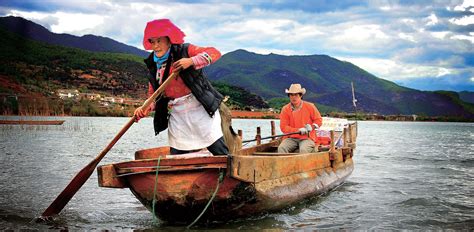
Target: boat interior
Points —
{"points": [[241, 165]]}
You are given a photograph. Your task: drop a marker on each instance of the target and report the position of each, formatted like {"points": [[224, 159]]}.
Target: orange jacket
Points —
{"points": [[291, 121]]}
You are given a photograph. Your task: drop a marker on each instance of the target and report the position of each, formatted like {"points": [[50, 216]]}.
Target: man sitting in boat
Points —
{"points": [[299, 116]]}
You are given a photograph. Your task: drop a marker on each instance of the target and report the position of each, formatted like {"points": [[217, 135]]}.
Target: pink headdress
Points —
{"points": [[162, 27]]}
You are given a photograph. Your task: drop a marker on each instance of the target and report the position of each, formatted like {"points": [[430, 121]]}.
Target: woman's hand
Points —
{"points": [[182, 64], [141, 113]]}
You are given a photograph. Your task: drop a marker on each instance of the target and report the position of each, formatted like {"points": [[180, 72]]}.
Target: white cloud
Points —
{"points": [[464, 21], [125, 21], [408, 21], [464, 37], [471, 79], [398, 71], [64, 22], [443, 72], [69, 22], [466, 4], [268, 31], [407, 37], [28, 15], [440, 34], [353, 38], [432, 20], [449, 61], [364, 32]]}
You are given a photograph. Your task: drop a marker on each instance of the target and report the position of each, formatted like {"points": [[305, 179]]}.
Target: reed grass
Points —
{"points": [[70, 124]]}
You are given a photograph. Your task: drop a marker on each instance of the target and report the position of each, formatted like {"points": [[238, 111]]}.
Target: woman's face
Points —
{"points": [[160, 45]]}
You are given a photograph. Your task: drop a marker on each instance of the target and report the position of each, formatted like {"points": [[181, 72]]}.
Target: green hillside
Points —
{"points": [[240, 98], [38, 69], [328, 82], [467, 96], [43, 68]]}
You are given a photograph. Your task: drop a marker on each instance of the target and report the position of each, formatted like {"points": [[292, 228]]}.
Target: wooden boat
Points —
{"points": [[255, 180], [32, 122]]}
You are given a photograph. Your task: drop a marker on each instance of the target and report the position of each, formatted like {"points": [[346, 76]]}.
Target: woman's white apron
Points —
{"points": [[190, 126]]}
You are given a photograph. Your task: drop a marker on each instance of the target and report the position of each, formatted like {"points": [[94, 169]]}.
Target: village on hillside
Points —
{"points": [[102, 99], [73, 102], [67, 102]]}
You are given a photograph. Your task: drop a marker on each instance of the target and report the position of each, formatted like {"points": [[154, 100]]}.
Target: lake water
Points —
{"points": [[408, 175]]}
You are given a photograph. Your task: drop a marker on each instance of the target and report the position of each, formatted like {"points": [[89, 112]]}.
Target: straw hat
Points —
{"points": [[162, 27], [295, 88]]}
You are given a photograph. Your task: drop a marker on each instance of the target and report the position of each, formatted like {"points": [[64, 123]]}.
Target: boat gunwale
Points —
{"points": [[173, 162], [32, 122], [153, 170]]}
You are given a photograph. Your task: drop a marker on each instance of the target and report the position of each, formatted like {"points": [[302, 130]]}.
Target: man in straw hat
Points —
{"points": [[189, 107], [299, 116]]}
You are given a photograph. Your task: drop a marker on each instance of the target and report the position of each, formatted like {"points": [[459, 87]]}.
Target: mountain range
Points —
{"points": [[93, 43], [35, 69], [328, 82], [326, 79]]}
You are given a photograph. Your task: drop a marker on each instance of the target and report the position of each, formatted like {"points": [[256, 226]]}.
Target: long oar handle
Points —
{"points": [[270, 137], [159, 91], [82, 176]]}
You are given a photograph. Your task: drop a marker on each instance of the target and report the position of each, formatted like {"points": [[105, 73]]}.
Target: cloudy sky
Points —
{"points": [[427, 45]]}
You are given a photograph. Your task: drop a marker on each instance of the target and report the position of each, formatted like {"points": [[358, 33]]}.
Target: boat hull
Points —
{"points": [[196, 189], [234, 199], [183, 191], [256, 180]]}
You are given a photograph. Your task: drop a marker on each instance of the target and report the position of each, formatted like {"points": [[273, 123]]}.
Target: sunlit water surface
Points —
{"points": [[408, 175]]}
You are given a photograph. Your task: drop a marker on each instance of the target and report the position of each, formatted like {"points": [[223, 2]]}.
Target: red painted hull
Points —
{"points": [[184, 187], [254, 180]]}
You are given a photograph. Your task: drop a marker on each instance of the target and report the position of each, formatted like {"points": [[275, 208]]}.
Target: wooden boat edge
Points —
{"points": [[32, 122]]}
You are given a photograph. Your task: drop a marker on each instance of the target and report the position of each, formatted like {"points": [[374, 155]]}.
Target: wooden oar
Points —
{"points": [[270, 137], [82, 176]]}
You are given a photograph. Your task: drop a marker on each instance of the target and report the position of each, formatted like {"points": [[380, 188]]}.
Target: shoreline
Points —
{"points": [[241, 114]]}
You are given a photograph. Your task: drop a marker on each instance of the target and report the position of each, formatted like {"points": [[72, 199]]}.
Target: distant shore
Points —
{"points": [[242, 114], [254, 114], [362, 117]]}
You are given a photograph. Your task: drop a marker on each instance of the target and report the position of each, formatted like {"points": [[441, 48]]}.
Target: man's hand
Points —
{"points": [[303, 131], [316, 127], [308, 127]]}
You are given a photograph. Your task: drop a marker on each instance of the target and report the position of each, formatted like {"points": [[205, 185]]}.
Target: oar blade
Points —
{"points": [[82, 176], [71, 189]]}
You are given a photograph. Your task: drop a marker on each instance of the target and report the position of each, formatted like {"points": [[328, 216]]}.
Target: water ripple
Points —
{"points": [[407, 176]]}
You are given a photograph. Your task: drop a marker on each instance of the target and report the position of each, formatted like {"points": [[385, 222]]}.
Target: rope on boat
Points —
{"points": [[154, 191], [219, 181]]}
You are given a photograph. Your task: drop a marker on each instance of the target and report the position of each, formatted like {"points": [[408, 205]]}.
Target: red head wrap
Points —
{"points": [[162, 27]]}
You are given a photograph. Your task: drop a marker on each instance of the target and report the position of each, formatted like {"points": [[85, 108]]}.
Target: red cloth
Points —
{"points": [[291, 121], [162, 27], [177, 88]]}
